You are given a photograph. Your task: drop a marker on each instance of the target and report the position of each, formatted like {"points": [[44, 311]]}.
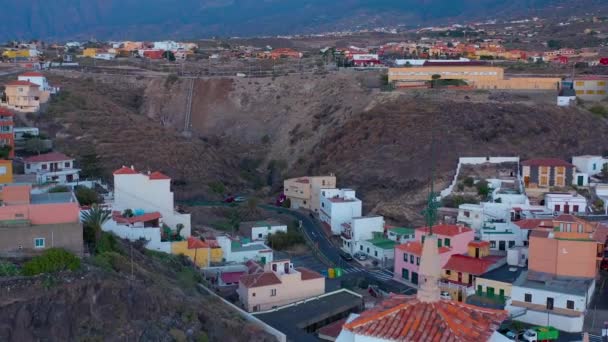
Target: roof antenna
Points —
{"points": [[430, 212]]}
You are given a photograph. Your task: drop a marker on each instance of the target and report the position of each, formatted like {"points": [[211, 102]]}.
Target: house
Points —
{"points": [[461, 270], [305, 192], [569, 250], [503, 235], [140, 225], [366, 60], [89, 52], [202, 253], [259, 230], [285, 53], [39, 79], [546, 173], [30, 223], [152, 54], [22, 132], [106, 56], [493, 288], [566, 203], [23, 96], [452, 239], [360, 229], [279, 283], [379, 248], [401, 234], [338, 206], [591, 88], [52, 167], [591, 165], [7, 139], [149, 192], [424, 316], [566, 97], [551, 301], [241, 251], [6, 171]]}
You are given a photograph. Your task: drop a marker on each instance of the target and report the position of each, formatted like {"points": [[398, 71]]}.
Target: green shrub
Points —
{"points": [[599, 110], [469, 181], [107, 243], [217, 187], [59, 188], [188, 278], [8, 269], [52, 260], [282, 241], [483, 188], [455, 201], [86, 196], [110, 261]]}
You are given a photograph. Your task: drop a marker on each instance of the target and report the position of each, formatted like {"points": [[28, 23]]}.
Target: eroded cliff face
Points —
{"points": [[158, 304]]}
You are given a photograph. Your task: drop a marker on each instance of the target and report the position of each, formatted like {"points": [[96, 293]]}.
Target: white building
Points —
{"points": [[259, 230], [52, 167], [379, 248], [360, 229], [560, 303], [168, 45], [241, 251], [338, 206], [20, 132], [150, 193], [39, 79], [147, 226], [566, 97], [503, 235], [476, 215], [591, 165], [565, 203], [105, 56]]}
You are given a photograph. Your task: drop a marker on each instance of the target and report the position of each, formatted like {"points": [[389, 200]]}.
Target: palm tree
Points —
{"points": [[94, 219]]}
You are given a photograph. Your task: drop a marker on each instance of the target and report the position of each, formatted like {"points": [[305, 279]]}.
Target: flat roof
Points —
{"points": [[402, 230], [505, 274], [383, 243], [548, 282], [253, 247], [49, 198], [292, 320]]}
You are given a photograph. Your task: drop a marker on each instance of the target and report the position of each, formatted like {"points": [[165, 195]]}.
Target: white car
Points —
{"points": [[361, 256]]}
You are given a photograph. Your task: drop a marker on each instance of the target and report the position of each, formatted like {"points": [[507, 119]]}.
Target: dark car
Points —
{"points": [[604, 265], [346, 256]]}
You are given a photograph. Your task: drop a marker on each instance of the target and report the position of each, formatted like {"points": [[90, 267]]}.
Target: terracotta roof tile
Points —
{"points": [[260, 279], [125, 171], [31, 74], [158, 176], [535, 223], [546, 162], [601, 233], [308, 274], [404, 318], [22, 83], [47, 157], [446, 229], [539, 233], [333, 329], [195, 243], [479, 243], [415, 247], [469, 264], [117, 216]]}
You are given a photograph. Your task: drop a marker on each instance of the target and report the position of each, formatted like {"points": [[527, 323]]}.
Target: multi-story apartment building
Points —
{"points": [[305, 192]]}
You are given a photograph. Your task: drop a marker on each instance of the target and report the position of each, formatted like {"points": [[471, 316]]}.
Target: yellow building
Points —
{"points": [[592, 88], [305, 192], [201, 252], [6, 171], [475, 74], [16, 53], [494, 287], [89, 52]]}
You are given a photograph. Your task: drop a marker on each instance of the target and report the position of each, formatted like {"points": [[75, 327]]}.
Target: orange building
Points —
{"points": [[7, 138], [285, 53], [573, 249]]}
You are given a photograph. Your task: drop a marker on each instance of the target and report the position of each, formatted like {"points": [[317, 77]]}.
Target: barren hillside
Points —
{"points": [[252, 132]]}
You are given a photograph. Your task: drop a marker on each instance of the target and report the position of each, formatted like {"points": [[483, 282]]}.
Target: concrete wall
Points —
{"points": [[42, 214], [152, 235], [65, 235], [586, 164], [475, 161], [363, 228], [497, 285], [563, 257], [262, 232], [202, 257]]}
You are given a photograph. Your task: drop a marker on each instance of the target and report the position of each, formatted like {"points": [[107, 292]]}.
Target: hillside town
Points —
{"points": [[504, 246]]}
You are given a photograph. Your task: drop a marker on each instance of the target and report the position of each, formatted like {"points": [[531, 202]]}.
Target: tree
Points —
{"points": [[554, 44], [435, 78], [169, 55], [5, 151], [605, 171], [483, 188], [93, 220], [35, 145], [86, 196]]}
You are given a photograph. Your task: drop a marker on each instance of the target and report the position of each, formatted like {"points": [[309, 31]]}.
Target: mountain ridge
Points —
{"points": [[164, 19]]}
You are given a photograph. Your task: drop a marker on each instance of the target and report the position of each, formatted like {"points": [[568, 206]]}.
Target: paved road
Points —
{"points": [[312, 228]]}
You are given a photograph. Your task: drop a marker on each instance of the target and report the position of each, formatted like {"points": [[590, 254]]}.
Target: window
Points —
{"points": [[304, 202], [417, 260], [594, 166], [438, 242], [446, 242], [67, 164], [557, 207], [361, 247], [39, 243], [423, 239], [590, 92], [528, 298], [367, 250], [580, 228], [490, 291], [580, 92], [273, 292], [549, 303], [580, 83], [260, 235], [323, 205], [27, 166], [44, 166], [467, 214], [601, 83], [501, 292], [570, 304], [375, 253], [405, 274], [601, 92], [560, 170], [411, 258], [448, 272], [492, 244], [253, 294]]}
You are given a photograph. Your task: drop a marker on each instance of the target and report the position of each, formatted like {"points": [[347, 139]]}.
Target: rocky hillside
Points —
{"points": [[249, 133], [152, 298]]}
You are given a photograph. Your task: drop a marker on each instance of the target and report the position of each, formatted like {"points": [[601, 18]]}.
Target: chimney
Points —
{"points": [[459, 229], [132, 167]]}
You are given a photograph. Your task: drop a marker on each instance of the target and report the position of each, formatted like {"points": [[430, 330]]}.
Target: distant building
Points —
{"points": [[546, 173], [259, 230], [566, 203], [401, 234], [338, 206], [30, 224], [278, 284], [566, 97], [591, 165], [591, 88], [7, 139], [40, 80], [90, 52], [285, 53], [202, 253], [23, 96], [493, 288], [305, 192], [359, 229], [241, 251], [52, 167]]}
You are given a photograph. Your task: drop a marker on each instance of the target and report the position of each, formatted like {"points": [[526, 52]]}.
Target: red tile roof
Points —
{"points": [[117, 216], [333, 329], [195, 243], [405, 318], [567, 218], [601, 233], [125, 171], [479, 243], [31, 74], [158, 176], [5, 112], [534, 223], [231, 277], [303, 181], [260, 279], [447, 229], [48, 157], [546, 162], [21, 83], [539, 233], [253, 267], [308, 274], [415, 247], [469, 264]]}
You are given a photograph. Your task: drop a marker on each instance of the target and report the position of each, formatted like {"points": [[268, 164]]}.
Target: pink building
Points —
{"points": [[279, 283], [451, 239]]}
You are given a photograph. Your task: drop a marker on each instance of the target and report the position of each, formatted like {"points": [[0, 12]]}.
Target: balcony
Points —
{"points": [[447, 285]]}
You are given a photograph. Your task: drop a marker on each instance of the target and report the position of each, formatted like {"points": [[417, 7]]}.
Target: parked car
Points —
{"points": [[541, 334], [346, 256], [604, 265], [240, 199], [229, 199], [361, 256]]}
